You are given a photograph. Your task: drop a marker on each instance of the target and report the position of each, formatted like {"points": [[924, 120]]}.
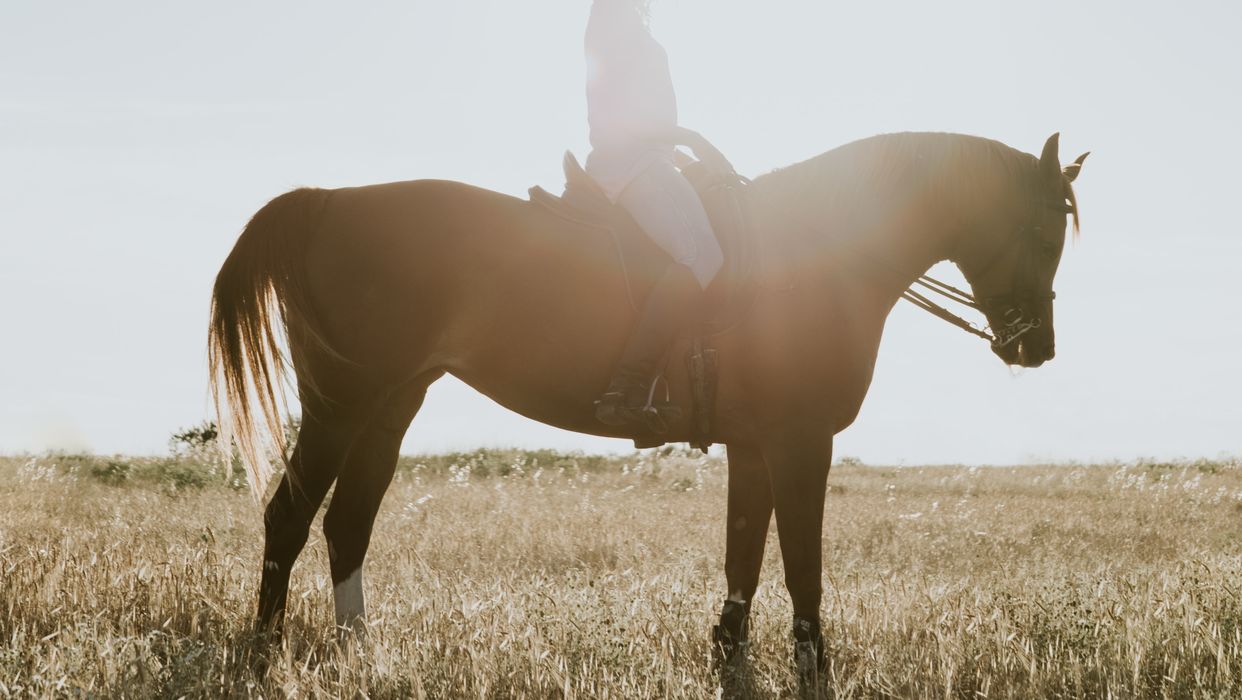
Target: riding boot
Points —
{"points": [[673, 304]]}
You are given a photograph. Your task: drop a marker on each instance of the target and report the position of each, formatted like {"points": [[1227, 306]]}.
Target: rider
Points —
{"points": [[633, 118]]}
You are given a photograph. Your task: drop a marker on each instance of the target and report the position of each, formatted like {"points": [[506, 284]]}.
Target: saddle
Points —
{"points": [[643, 262]]}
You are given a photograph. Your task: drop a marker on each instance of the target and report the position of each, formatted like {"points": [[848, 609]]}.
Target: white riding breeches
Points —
{"points": [[665, 205]]}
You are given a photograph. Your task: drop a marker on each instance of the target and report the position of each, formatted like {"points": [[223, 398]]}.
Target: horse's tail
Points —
{"points": [[259, 289]]}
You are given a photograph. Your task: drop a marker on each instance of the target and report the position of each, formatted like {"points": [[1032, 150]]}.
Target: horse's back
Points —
{"points": [[429, 219], [416, 272]]}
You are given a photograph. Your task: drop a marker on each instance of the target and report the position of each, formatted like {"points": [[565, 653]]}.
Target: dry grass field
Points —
{"points": [[509, 574]]}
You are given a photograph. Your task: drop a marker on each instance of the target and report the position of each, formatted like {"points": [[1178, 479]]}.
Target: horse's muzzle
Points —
{"points": [[1028, 352]]}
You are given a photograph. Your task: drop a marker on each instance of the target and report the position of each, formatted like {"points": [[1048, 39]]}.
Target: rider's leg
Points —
{"points": [[665, 205], [672, 305]]}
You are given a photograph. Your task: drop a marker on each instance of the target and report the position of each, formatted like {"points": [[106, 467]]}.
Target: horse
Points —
{"points": [[378, 291]]}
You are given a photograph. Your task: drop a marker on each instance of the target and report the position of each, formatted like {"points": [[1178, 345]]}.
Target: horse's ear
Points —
{"points": [[1071, 171], [1050, 159]]}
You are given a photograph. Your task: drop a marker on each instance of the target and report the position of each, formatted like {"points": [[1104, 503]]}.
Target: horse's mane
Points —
{"points": [[885, 171]]}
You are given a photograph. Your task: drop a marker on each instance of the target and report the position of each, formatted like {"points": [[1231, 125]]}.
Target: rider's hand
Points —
{"points": [[711, 158], [715, 162]]}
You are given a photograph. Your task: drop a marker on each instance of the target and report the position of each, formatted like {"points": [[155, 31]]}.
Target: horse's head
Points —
{"points": [[1011, 265]]}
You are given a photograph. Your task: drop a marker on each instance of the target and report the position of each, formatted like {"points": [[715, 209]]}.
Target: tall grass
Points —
{"points": [[502, 574]]}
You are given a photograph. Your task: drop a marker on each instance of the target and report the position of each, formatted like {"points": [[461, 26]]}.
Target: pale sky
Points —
{"points": [[136, 139]]}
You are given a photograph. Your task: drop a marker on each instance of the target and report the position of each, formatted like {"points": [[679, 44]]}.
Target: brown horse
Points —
{"points": [[384, 289]]}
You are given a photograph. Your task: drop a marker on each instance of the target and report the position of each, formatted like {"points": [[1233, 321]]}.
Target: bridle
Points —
{"points": [[1009, 305]]}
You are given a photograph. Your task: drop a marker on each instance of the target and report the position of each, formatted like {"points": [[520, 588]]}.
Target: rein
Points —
{"points": [[1013, 329], [953, 294]]}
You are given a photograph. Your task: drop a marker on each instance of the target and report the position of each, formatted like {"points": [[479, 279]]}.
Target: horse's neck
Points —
{"points": [[888, 263], [885, 210], [876, 265]]}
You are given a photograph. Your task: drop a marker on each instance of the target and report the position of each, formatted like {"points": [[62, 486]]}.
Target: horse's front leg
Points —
{"points": [[750, 511], [798, 463]]}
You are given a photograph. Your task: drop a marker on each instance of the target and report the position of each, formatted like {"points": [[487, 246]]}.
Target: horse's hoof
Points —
{"points": [[730, 644], [807, 668], [727, 650], [730, 638], [809, 657], [351, 632]]}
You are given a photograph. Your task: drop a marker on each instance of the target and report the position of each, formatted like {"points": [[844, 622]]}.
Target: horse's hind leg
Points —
{"points": [[359, 490], [322, 444]]}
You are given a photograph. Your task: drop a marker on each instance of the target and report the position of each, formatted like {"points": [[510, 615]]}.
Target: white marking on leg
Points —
{"points": [[350, 606], [736, 597], [270, 565]]}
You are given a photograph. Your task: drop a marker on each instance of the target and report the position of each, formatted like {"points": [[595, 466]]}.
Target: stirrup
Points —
{"points": [[658, 416], [610, 409]]}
